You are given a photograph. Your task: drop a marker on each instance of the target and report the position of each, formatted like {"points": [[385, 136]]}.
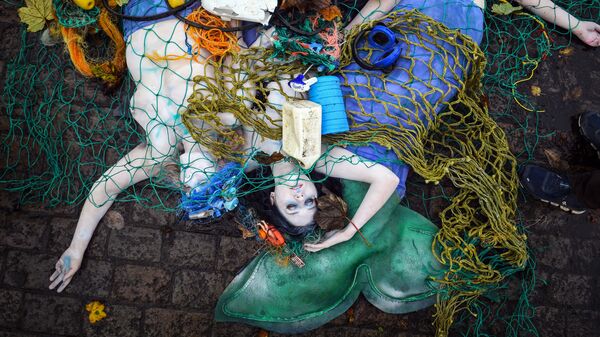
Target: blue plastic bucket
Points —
{"points": [[328, 93]]}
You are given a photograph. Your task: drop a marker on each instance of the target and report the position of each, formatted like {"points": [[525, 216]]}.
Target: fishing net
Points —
{"points": [[68, 117]]}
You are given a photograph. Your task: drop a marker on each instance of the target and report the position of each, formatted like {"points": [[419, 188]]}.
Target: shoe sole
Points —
{"points": [[564, 208], [586, 137]]}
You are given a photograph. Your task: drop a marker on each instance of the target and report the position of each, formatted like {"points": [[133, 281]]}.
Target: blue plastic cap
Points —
{"points": [[382, 37]]}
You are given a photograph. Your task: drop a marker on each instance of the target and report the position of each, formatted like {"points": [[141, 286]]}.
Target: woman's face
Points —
{"points": [[297, 202]]}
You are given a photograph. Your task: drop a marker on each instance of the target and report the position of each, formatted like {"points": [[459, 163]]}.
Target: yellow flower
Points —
{"points": [[96, 310]]}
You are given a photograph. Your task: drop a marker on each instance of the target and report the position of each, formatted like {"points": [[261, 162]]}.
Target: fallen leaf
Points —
{"points": [[573, 94], [245, 232], [567, 51], [350, 314], [536, 91], [304, 5], [35, 14], [114, 220], [265, 159], [555, 161], [331, 13], [170, 175], [505, 8], [332, 212], [594, 217]]}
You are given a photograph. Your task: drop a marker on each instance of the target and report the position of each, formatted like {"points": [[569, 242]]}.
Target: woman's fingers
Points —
{"points": [[55, 275], [59, 270], [312, 248], [56, 282], [65, 283]]}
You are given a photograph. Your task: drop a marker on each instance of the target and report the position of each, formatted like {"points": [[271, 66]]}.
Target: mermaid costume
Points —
{"points": [[394, 272], [367, 103]]}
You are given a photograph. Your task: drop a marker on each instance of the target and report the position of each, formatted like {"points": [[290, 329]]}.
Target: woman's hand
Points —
{"points": [[66, 267], [588, 32], [332, 238]]}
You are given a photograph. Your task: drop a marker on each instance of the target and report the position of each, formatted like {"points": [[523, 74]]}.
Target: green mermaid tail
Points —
{"points": [[393, 274]]}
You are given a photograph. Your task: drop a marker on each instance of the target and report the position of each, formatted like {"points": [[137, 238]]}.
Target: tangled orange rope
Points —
{"points": [[216, 41], [111, 72]]}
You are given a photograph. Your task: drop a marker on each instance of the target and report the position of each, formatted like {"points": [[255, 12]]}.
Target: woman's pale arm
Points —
{"points": [[341, 163], [373, 10], [587, 31]]}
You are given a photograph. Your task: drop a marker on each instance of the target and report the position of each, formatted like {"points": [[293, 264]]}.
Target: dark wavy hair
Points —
{"points": [[260, 200]]}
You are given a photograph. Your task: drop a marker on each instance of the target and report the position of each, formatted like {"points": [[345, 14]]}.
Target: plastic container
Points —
{"points": [[328, 93]]}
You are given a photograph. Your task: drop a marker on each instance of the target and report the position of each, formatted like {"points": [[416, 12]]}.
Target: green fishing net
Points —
{"points": [[61, 132]]}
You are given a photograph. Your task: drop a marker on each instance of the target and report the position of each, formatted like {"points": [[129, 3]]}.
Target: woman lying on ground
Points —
{"points": [[156, 104], [391, 262]]}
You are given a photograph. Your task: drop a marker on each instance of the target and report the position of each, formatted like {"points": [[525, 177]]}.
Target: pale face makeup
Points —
{"points": [[297, 201]]}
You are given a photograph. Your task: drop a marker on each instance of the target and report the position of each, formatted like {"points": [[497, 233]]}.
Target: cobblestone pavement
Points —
{"points": [[161, 277]]}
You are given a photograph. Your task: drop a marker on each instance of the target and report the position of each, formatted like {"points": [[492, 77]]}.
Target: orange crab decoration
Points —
{"points": [[270, 234]]}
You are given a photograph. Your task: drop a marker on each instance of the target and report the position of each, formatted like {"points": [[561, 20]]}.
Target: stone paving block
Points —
{"points": [[596, 293], [192, 250], [169, 323], [9, 12], [421, 321], [23, 232], [3, 253], [144, 217], [325, 331], [341, 320], [371, 333], [221, 329], [224, 226], [62, 210], [28, 270], [541, 218], [8, 200], [235, 252], [93, 279], [549, 321], [135, 243], [586, 257], [17, 334], [52, 314], [5, 122], [368, 315], [10, 305], [409, 334], [32, 271], [571, 289], [551, 250], [9, 40], [198, 290], [141, 284], [61, 234], [583, 323], [121, 321]]}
